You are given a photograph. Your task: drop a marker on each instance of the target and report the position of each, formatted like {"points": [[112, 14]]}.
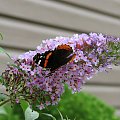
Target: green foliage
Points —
{"points": [[11, 113], [17, 112], [81, 106], [114, 52], [24, 105], [53, 118], [1, 79], [30, 114], [49, 115], [2, 97], [3, 51]]}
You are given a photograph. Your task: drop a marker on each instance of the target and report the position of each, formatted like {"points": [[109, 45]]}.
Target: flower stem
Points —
{"points": [[4, 102]]}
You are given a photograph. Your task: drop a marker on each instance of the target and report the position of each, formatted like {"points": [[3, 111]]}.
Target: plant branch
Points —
{"points": [[4, 102]]}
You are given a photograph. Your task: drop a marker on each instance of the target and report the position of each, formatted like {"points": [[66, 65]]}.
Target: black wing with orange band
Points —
{"points": [[55, 59]]}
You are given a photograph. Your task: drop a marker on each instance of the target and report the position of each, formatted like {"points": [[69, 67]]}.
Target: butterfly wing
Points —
{"points": [[60, 56], [41, 58], [55, 59]]}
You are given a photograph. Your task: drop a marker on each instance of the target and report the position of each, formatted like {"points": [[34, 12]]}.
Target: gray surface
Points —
{"points": [[25, 23]]}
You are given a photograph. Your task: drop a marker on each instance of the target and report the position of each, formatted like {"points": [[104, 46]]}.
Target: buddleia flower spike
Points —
{"points": [[39, 76]]}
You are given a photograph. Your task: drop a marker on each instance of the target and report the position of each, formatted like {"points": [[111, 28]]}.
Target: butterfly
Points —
{"points": [[54, 59]]}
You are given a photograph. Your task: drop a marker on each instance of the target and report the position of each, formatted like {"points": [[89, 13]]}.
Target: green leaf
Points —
{"points": [[1, 79], [12, 113], [24, 104], [3, 97], [3, 111], [30, 114], [67, 118], [49, 115], [61, 115], [1, 37], [3, 51]]}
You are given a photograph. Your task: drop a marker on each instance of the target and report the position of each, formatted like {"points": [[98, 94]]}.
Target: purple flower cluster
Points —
{"points": [[27, 80]]}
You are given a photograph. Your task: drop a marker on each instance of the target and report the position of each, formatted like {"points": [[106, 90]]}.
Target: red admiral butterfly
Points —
{"points": [[55, 58]]}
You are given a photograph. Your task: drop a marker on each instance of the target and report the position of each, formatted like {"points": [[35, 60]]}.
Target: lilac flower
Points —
{"points": [[40, 87]]}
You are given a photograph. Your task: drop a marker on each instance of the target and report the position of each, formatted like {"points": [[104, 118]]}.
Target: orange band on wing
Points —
{"points": [[66, 47], [46, 60], [72, 58]]}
